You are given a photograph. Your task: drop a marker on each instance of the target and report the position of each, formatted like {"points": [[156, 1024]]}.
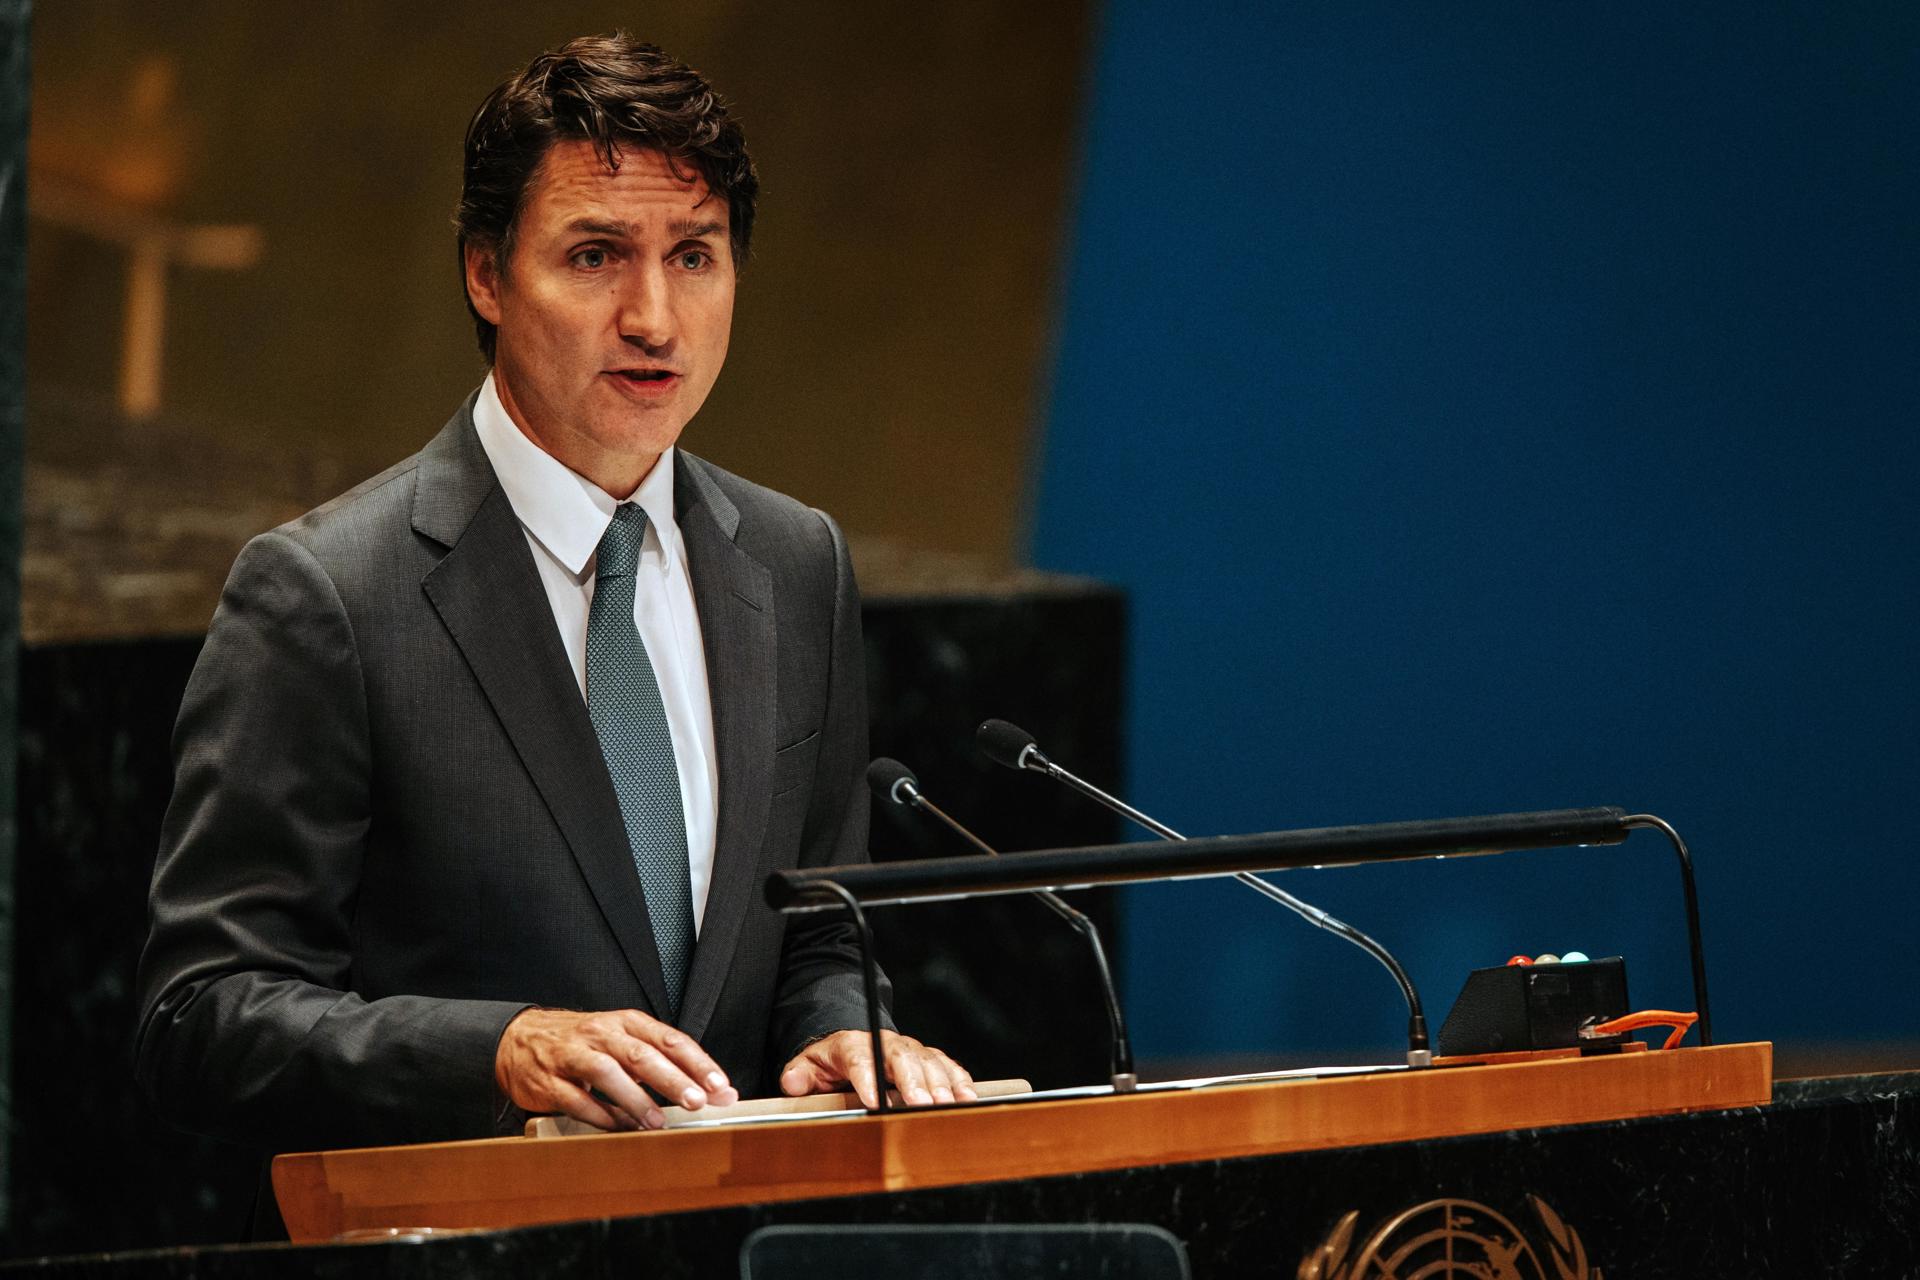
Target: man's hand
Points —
{"points": [[922, 1073], [555, 1059]]}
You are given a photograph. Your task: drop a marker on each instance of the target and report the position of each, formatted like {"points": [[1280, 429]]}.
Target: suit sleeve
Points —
{"points": [[249, 1029], [820, 986]]}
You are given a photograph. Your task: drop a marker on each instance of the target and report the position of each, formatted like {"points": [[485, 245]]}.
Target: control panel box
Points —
{"points": [[1517, 1007]]}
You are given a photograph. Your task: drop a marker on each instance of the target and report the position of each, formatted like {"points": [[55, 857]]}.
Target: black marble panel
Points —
{"points": [[95, 720], [1824, 1182], [1001, 983], [97, 1172], [15, 91]]}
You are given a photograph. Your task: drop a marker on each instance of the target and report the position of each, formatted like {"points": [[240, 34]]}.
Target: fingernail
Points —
{"points": [[693, 1099], [922, 1097], [716, 1081], [726, 1097], [656, 1118], [943, 1094], [969, 1094]]}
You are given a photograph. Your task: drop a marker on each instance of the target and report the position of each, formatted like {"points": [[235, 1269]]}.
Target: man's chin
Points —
{"points": [[639, 436]]}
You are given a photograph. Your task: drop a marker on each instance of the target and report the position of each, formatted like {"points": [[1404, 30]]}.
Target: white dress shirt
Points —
{"points": [[564, 515]]}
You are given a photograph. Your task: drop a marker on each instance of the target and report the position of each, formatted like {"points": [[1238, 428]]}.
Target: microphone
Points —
{"points": [[1010, 745], [894, 782]]}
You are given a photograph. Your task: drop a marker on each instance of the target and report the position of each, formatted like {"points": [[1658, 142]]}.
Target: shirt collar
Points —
{"points": [[566, 512]]}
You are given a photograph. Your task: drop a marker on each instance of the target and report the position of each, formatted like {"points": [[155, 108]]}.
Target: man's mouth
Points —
{"points": [[645, 384]]}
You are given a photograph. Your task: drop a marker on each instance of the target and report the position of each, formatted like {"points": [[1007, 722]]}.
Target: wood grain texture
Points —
{"points": [[517, 1181]]}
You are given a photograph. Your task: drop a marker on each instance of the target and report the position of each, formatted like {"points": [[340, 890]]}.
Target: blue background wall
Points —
{"points": [[1504, 408]]}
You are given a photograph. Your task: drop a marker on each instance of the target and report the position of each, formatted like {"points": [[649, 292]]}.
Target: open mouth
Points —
{"points": [[644, 375]]}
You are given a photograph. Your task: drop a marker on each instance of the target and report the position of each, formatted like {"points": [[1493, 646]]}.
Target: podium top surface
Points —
{"points": [[504, 1182]]}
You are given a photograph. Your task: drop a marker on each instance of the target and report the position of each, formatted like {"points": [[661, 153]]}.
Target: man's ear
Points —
{"points": [[483, 281]]}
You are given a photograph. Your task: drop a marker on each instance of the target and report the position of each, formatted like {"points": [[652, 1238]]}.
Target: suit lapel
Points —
{"points": [[733, 594], [489, 596]]}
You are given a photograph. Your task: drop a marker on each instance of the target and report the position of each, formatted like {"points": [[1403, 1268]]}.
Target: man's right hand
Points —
{"points": [[555, 1060]]}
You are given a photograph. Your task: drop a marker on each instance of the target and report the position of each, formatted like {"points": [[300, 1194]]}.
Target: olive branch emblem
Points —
{"points": [[1450, 1238]]}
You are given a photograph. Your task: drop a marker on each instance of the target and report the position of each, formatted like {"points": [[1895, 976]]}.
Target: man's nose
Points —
{"points": [[646, 307]]}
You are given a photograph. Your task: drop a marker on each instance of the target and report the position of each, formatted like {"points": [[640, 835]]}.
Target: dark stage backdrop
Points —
{"points": [[1503, 407], [14, 82], [889, 333], [887, 345]]}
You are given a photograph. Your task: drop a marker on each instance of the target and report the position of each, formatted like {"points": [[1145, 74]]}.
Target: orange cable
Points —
{"points": [[1680, 1022]]}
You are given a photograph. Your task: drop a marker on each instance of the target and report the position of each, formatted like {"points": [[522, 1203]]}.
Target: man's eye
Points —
{"points": [[592, 259], [693, 259]]}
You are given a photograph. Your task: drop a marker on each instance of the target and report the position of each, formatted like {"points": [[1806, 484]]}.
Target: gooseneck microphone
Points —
{"points": [[1010, 745], [894, 782]]}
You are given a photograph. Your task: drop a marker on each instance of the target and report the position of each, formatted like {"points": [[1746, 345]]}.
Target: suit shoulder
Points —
{"points": [[362, 517], [767, 516], [351, 548]]}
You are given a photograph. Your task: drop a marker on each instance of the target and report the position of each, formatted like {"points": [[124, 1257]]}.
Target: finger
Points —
{"points": [[610, 1077], [685, 1053], [934, 1069], [650, 1066], [651, 1118], [959, 1077], [804, 1075], [578, 1103], [857, 1070], [903, 1067]]}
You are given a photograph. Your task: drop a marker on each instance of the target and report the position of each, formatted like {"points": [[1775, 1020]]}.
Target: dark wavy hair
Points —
{"points": [[615, 92]]}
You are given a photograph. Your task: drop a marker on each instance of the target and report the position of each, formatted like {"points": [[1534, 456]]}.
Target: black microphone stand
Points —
{"points": [[893, 781], [998, 740]]}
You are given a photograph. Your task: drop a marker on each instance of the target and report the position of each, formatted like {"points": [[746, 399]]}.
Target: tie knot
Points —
{"points": [[619, 549]]}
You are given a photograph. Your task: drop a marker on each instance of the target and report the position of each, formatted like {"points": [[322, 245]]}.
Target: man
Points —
{"points": [[484, 763]]}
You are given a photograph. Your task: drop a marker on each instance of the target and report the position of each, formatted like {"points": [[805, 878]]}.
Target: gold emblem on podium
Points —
{"points": [[1451, 1240]]}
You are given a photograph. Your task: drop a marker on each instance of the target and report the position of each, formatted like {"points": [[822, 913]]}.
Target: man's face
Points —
{"points": [[613, 310]]}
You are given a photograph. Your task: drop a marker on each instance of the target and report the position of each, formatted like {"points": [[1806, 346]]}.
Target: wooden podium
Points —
{"points": [[508, 1182]]}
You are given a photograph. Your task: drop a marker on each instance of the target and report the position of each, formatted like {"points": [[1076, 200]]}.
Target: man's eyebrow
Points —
{"points": [[688, 229], [598, 227]]}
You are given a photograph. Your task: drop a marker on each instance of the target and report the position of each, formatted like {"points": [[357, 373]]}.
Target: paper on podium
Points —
{"points": [[844, 1106], [761, 1110]]}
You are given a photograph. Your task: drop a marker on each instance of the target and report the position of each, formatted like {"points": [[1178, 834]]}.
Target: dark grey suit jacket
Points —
{"points": [[392, 828]]}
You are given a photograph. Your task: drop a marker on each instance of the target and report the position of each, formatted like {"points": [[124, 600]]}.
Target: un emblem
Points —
{"points": [[1451, 1240]]}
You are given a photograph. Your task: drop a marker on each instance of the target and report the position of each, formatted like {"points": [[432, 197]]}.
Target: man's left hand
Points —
{"points": [[921, 1073]]}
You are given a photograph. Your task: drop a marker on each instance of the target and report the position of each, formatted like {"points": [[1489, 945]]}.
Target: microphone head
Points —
{"points": [[1006, 744], [890, 780]]}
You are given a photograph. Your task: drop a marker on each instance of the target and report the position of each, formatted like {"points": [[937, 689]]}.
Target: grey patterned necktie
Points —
{"points": [[623, 699]]}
